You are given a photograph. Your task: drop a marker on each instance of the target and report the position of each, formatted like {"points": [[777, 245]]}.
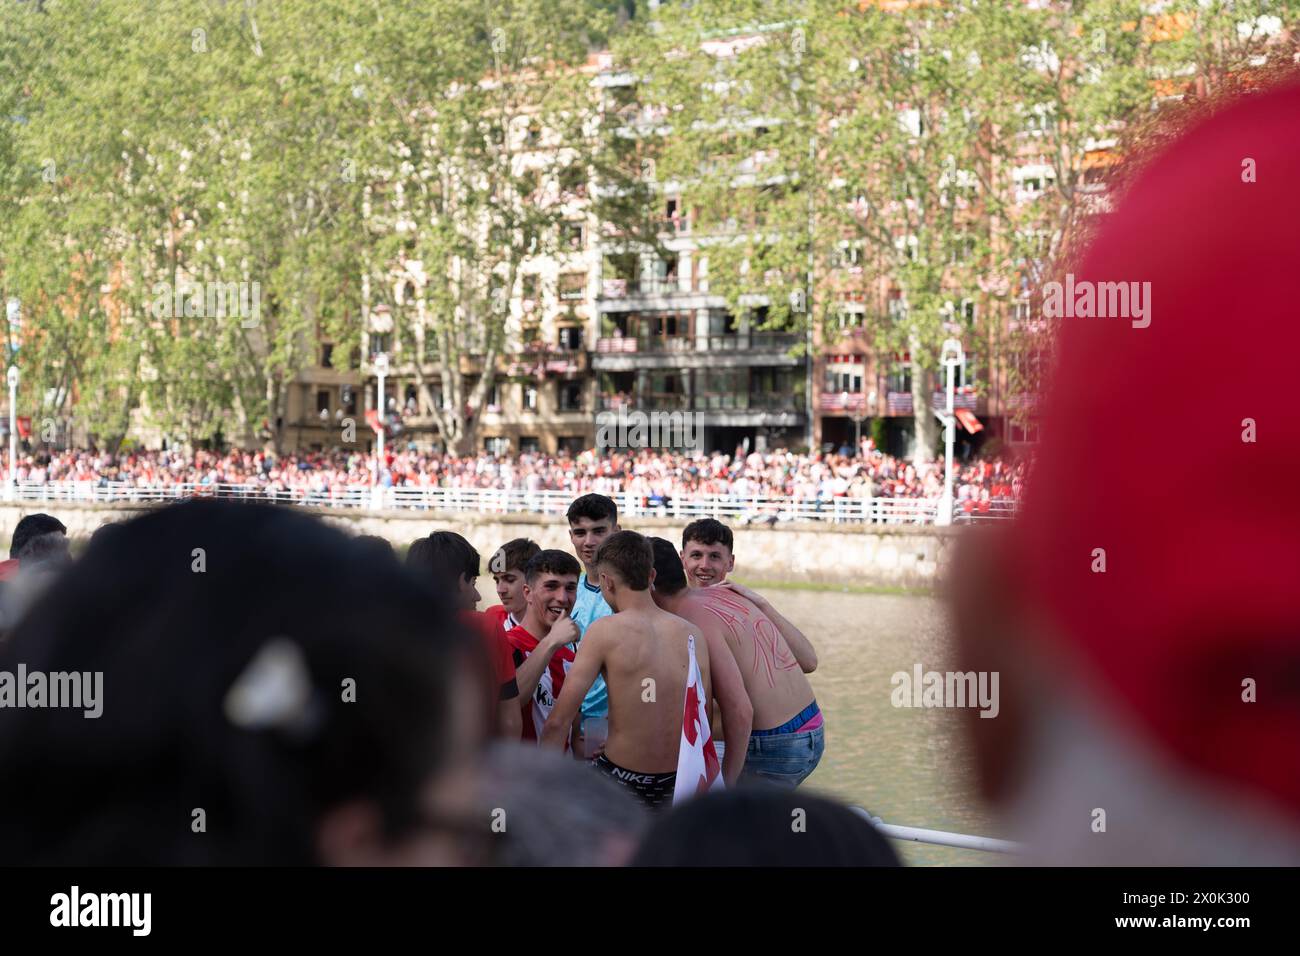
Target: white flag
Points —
{"points": [[698, 769]]}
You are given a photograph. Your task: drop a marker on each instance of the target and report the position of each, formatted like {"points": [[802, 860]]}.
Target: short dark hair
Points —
{"points": [[751, 827], [594, 507], [514, 555], [707, 531], [374, 545], [33, 526], [670, 576], [551, 561], [630, 555], [45, 548], [444, 557]]}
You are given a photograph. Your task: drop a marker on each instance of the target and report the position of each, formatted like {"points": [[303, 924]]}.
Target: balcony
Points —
{"points": [[655, 285], [704, 402], [900, 403], [624, 353], [842, 402]]}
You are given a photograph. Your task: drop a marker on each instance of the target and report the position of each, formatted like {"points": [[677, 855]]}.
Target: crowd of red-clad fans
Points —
{"points": [[655, 477]]}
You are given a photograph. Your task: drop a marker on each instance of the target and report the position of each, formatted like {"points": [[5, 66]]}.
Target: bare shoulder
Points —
{"points": [[599, 631]]}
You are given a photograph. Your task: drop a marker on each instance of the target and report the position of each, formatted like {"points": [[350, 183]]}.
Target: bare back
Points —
{"points": [[778, 689], [645, 719]]}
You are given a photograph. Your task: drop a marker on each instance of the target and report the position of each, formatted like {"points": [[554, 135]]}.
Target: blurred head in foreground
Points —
{"points": [[1148, 634], [255, 687], [550, 810], [763, 826]]}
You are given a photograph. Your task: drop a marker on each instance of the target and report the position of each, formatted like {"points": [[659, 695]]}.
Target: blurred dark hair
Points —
{"points": [[559, 812], [630, 555], [33, 526], [670, 575], [444, 557], [707, 531], [594, 507], [49, 548], [551, 561], [178, 607], [514, 555], [755, 826], [375, 546]]}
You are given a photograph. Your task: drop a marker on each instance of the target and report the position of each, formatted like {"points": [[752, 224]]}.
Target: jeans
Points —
{"points": [[784, 759]]}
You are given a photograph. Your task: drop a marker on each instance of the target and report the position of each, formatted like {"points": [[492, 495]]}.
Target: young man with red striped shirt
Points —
{"points": [[541, 658]]}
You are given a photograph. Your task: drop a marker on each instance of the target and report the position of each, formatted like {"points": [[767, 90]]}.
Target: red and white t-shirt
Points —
{"points": [[549, 686], [500, 617]]}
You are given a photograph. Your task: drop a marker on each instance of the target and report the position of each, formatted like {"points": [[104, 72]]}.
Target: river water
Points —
{"points": [[906, 765]]}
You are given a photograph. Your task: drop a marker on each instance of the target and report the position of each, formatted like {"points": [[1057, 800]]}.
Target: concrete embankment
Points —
{"points": [[805, 553]]}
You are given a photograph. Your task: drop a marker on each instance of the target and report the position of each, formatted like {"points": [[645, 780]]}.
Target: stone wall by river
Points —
{"points": [[794, 553]]}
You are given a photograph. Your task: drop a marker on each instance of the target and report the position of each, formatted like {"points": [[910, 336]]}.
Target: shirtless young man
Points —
{"points": [[707, 553], [642, 651], [773, 655]]}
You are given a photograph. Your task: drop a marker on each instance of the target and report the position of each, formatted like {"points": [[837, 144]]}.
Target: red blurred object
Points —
{"points": [[372, 419], [968, 420], [24, 426], [1196, 605]]}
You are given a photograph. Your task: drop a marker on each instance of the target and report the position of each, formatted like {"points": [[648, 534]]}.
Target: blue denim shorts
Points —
{"points": [[784, 759]]}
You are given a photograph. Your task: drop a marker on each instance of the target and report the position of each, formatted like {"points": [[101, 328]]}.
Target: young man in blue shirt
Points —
{"points": [[592, 518]]}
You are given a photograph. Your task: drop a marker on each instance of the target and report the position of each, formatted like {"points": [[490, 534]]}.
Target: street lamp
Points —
{"points": [[857, 414], [950, 356], [13, 430], [381, 370]]}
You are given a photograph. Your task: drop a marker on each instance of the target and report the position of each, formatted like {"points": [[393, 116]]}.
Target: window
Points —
{"points": [[900, 379], [529, 444], [323, 401], [573, 180], [528, 288], [897, 305], [379, 342], [573, 235], [573, 444], [846, 377], [530, 398], [494, 397], [1027, 431], [496, 445], [569, 396], [326, 354], [571, 337], [348, 398], [573, 286]]}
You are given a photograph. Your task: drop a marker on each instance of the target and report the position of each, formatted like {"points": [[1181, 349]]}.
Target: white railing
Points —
{"points": [[739, 509], [963, 841]]}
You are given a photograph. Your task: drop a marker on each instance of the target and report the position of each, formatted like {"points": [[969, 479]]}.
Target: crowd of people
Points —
{"points": [[654, 477]]}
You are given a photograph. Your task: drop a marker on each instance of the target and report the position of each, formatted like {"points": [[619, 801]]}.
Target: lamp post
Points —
{"points": [[951, 356], [857, 414], [381, 370], [13, 431]]}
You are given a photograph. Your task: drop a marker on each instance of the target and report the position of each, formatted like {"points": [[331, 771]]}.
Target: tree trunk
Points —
{"points": [[926, 430]]}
